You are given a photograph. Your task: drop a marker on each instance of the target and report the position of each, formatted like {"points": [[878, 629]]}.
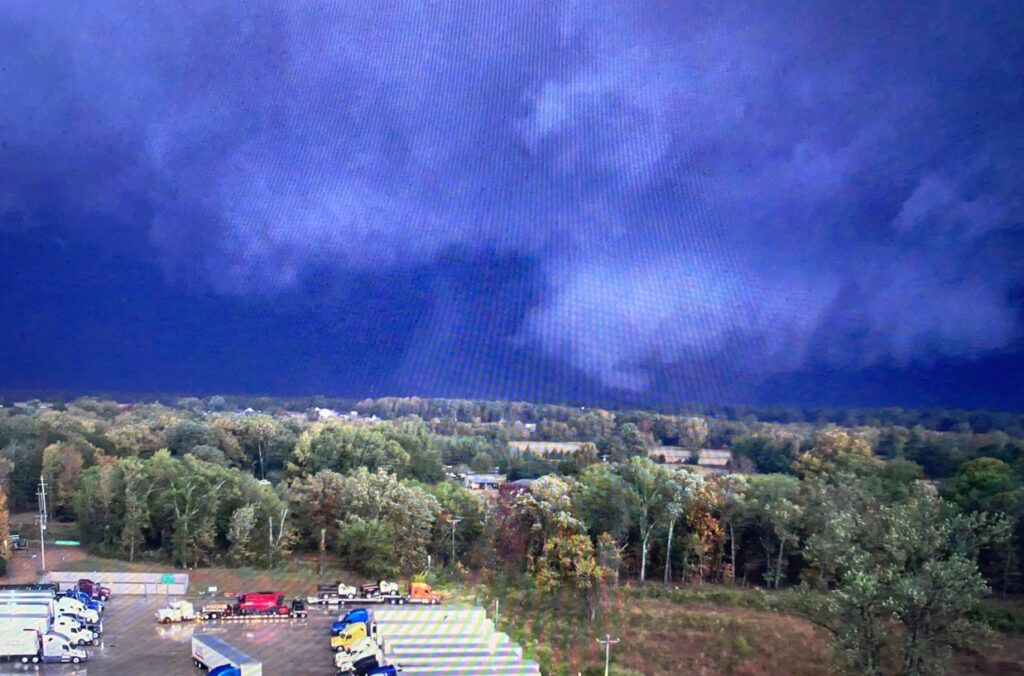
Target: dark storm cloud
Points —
{"points": [[769, 186]]}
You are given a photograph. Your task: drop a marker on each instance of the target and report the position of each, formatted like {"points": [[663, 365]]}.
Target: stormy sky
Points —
{"points": [[636, 202]]}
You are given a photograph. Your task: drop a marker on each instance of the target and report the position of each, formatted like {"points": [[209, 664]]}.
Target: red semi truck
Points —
{"points": [[94, 589]]}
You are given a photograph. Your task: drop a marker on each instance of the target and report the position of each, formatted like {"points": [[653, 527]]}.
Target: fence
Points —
{"points": [[149, 584]]}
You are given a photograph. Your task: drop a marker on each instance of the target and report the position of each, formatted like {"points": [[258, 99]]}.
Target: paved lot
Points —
{"points": [[133, 643]]}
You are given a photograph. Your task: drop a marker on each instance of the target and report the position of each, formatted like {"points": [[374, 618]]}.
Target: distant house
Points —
{"points": [[711, 458], [483, 482], [546, 448], [671, 455], [326, 413]]}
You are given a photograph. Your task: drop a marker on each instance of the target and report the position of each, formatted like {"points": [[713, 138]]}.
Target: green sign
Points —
{"points": [[68, 543], [166, 578]]}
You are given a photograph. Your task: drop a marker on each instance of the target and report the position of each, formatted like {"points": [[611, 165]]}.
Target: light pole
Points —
{"points": [[455, 522], [607, 641]]}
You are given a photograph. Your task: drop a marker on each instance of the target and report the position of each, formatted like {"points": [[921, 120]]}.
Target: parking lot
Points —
{"points": [[133, 643]]}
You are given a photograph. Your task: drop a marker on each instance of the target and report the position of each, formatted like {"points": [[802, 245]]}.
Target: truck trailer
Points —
{"points": [[210, 652], [29, 646], [42, 622]]}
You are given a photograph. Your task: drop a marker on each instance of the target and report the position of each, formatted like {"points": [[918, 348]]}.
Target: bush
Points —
{"points": [[1008, 620], [740, 598]]}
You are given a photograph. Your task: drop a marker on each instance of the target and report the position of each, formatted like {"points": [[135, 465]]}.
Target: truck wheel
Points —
{"points": [[76, 659], [350, 596], [401, 602], [24, 660], [166, 620], [35, 659]]}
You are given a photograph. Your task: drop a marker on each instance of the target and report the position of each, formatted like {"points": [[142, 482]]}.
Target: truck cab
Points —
{"points": [[70, 605], [420, 592], [362, 656], [176, 611], [385, 670], [75, 632], [297, 608], [57, 648], [94, 627], [94, 589], [348, 636], [364, 615], [84, 599]]}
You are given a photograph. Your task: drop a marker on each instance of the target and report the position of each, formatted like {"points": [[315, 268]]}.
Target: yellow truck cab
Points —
{"points": [[348, 636]]}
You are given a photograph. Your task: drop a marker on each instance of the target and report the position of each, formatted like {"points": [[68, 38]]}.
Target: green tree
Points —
{"points": [[902, 565], [137, 489], [240, 532], [774, 502], [568, 560], [62, 467], [984, 485], [647, 484], [184, 436]]}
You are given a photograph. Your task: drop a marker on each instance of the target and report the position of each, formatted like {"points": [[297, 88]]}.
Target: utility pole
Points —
{"points": [[455, 522], [323, 550], [607, 642], [42, 520]]}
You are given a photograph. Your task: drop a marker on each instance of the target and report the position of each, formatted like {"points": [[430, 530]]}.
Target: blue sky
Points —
{"points": [[645, 202]]}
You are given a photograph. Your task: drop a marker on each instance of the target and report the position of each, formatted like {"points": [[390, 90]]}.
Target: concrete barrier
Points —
{"points": [[139, 584]]}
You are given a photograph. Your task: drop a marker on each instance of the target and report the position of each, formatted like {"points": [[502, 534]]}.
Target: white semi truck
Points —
{"points": [[75, 630], [65, 604], [213, 653], [88, 620], [29, 646]]}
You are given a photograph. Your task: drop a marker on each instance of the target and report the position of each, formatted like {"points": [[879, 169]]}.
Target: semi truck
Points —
{"points": [[387, 592], [364, 615], [210, 652], [176, 611], [53, 609], [361, 657], [94, 589], [84, 599], [43, 622], [348, 636], [57, 606], [31, 647]]}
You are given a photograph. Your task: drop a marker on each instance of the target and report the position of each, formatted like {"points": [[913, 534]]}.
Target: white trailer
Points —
{"points": [[211, 652], [27, 645], [76, 632], [62, 603], [21, 644]]}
